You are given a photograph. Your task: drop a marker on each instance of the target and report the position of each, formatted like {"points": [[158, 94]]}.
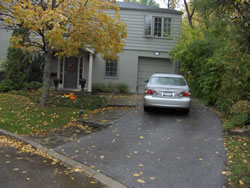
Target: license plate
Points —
{"points": [[167, 94]]}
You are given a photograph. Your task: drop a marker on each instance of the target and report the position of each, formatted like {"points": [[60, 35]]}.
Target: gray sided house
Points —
{"points": [[151, 35]]}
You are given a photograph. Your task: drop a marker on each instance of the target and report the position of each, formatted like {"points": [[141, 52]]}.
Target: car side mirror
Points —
{"points": [[146, 81]]}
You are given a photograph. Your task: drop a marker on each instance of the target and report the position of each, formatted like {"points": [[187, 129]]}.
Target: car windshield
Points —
{"points": [[171, 81]]}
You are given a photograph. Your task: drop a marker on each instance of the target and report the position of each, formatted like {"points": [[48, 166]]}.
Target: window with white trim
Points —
{"points": [[157, 26], [111, 68]]}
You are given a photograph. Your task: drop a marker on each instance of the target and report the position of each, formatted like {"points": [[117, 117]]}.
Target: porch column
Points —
{"points": [[90, 72]]}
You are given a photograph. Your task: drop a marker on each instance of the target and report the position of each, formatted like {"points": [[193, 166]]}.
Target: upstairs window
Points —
{"points": [[111, 68], [157, 26]]}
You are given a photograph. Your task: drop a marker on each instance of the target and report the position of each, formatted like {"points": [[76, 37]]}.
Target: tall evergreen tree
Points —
{"points": [[17, 61]]}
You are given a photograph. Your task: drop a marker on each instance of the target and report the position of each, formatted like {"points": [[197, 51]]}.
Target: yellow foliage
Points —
{"points": [[68, 27]]}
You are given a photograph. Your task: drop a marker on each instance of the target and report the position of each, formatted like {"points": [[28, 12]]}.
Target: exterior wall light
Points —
{"points": [[156, 53]]}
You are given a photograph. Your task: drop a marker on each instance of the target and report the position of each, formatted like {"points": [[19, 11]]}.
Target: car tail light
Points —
{"points": [[185, 94], [150, 92]]}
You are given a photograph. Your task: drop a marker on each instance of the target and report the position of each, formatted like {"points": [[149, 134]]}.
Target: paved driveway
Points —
{"points": [[159, 149]]}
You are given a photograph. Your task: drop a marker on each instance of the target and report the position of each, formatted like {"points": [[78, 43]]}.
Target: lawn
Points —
{"points": [[19, 112], [238, 166]]}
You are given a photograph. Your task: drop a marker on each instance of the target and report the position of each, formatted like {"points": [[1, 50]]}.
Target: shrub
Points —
{"points": [[241, 107], [7, 85], [238, 120], [32, 85], [100, 88], [122, 88], [238, 115], [110, 88]]}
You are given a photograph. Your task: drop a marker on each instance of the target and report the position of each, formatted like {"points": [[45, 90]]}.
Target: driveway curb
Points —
{"points": [[107, 181]]}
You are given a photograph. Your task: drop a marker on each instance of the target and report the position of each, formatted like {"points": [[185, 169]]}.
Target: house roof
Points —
{"points": [[140, 7]]}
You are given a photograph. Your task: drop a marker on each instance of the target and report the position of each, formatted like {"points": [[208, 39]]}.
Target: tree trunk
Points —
{"points": [[190, 16], [46, 79]]}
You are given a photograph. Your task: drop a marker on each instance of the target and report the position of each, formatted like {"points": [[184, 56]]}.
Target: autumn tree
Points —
{"points": [[62, 27]]}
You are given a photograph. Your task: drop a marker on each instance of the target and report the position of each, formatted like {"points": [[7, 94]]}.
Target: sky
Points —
{"points": [[161, 3], [164, 4]]}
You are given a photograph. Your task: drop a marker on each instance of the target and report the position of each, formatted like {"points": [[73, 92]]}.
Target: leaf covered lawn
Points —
{"points": [[21, 115], [238, 166]]}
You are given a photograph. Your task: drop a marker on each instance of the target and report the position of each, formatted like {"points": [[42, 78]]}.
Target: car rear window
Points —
{"points": [[171, 81]]}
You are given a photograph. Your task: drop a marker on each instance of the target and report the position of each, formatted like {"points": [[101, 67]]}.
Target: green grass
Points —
{"points": [[20, 114], [238, 166]]}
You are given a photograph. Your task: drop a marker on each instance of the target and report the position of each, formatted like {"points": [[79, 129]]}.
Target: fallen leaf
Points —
{"points": [[136, 175], [152, 178], [102, 156], [224, 172], [241, 182], [104, 121], [140, 181], [140, 165]]}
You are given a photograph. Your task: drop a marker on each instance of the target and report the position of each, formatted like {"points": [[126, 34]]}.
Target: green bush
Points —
{"points": [[122, 88], [238, 115], [241, 107], [110, 88], [101, 88], [238, 120], [7, 85], [32, 85]]}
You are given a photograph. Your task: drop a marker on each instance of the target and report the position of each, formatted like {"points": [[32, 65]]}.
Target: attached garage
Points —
{"points": [[148, 66]]}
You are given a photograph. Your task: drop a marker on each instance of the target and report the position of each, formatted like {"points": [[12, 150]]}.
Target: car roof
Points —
{"points": [[168, 75]]}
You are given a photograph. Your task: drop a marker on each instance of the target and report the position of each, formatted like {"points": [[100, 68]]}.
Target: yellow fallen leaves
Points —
{"points": [[140, 165], [6, 141], [152, 178], [136, 175], [45, 123], [102, 157], [224, 172], [105, 121], [140, 181]]}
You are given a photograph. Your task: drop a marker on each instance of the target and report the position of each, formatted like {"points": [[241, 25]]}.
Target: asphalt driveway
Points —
{"points": [[159, 149]]}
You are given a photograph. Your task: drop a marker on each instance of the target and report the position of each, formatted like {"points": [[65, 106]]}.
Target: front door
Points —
{"points": [[70, 74]]}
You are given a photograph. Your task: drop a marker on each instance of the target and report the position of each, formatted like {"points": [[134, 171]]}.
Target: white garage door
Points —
{"points": [[148, 66]]}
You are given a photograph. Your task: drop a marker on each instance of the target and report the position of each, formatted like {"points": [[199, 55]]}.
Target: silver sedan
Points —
{"points": [[168, 91]]}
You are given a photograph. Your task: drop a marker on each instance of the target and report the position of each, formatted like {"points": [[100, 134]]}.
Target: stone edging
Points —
{"points": [[107, 181]]}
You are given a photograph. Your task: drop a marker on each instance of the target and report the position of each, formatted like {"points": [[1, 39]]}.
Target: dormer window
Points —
{"points": [[157, 26]]}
